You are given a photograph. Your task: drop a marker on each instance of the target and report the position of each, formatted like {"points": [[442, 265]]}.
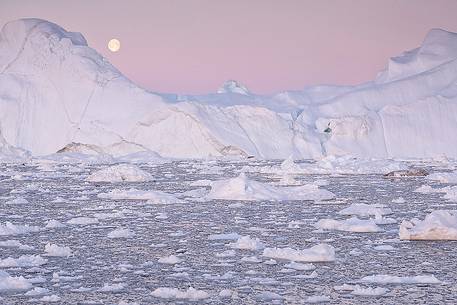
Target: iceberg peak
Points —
{"points": [[438, 47], [232, 86]]}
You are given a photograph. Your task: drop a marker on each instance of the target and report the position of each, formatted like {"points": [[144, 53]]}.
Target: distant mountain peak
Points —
{"points": [[232, 86]]}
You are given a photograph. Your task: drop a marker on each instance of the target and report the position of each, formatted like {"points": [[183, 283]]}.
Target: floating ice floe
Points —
{"points": [[37, 291], [50, 299], [152, 197], [384, 279], [112, 287], [384, 248], [438, 225], [427, 189], [121, 233], [120, 173], [352, 224], [242, 188], [12, 283], [17, 201], [82, 221], [247, 243], [318, 253], [11, 229], [362, 291], [170, 260], [174, 293], [331, 165], [224, 236], [23, 261], [449, 177], [362, 209], [55, 250], [451, 193], [317, 299], [54, 224], [14, 244], [227, 293], [399, 200], [268, 296]]}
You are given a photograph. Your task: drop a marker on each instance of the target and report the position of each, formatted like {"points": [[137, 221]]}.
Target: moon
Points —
{"points": [[114, 45]]}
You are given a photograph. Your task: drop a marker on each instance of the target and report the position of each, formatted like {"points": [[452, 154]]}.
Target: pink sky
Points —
{"points": [[193, 46]]}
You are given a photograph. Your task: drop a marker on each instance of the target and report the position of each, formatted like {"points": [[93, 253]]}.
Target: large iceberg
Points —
{"points": [[58, 94]]}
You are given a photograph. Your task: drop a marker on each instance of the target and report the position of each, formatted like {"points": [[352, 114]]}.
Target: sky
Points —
{"points": [[193, 46]]}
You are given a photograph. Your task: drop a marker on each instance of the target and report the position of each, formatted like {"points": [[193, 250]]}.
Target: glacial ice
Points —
{"points": [[408, 111]]}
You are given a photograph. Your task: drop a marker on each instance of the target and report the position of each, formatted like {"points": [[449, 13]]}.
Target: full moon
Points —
{"points": [[114, 45]]}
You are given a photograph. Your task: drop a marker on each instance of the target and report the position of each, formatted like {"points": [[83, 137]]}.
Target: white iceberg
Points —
{"points": [[120, 173], [438, 225], [242, 188]]}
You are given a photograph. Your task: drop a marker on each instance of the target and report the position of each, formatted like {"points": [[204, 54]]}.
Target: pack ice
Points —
{"points": [[58, 94]]}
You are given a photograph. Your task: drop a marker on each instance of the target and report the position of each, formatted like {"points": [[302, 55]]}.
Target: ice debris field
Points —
{"points": [[233, 231]]}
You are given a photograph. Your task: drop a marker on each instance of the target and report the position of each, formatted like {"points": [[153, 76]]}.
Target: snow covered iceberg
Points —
{"points": [[57, 94]]}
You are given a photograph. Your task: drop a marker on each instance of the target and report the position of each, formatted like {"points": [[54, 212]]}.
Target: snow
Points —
{"points": [[318, 253], [247, 243], [55, 250], [191, 293], [384, 279], [352, 224], [242, 188], [438, 225], [120, 173], [11, 283]]}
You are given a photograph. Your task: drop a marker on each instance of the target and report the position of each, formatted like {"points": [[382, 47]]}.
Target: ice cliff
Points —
{"points": [[57, 93]]}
